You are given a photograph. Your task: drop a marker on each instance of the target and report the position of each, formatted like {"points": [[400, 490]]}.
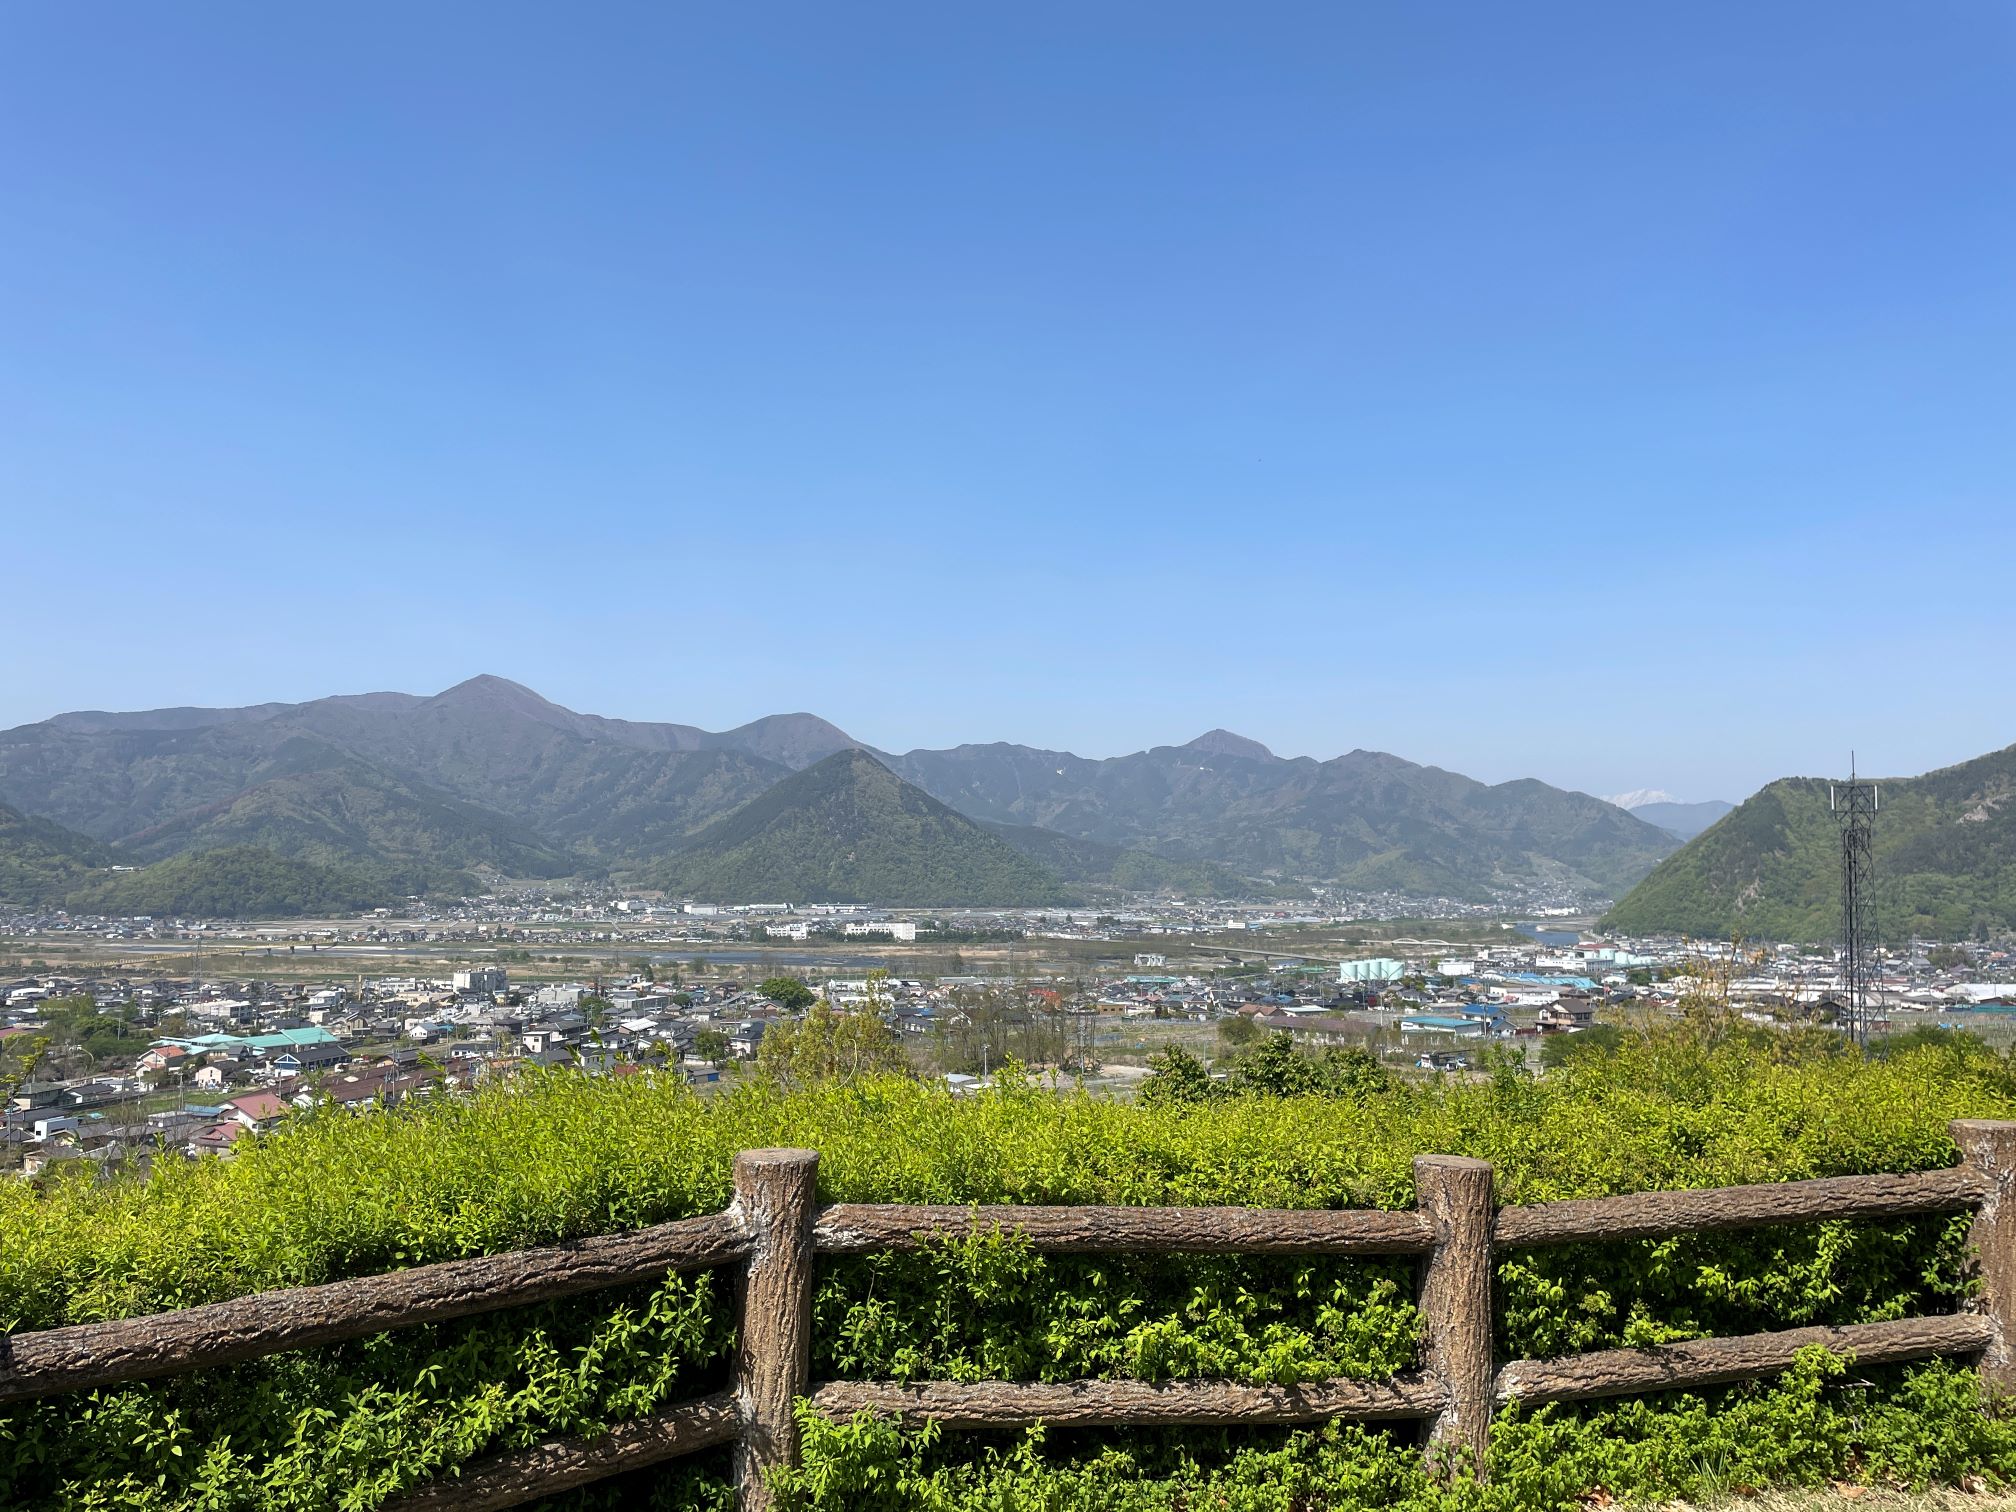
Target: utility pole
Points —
{"points": [[1855, 804]]}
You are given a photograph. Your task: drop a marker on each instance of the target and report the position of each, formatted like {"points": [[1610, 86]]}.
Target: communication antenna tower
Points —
{"points": [[1855, 804]]}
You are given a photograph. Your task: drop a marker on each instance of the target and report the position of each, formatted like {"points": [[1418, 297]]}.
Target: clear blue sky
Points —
{"points": [[1620, 394]]}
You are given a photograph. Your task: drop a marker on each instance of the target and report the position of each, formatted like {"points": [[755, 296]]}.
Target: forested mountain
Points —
{"points": [[488, 779], [848, 830], [237, 883], [315, 803], [1103, 865], [40, 861], [1945, 862], [1365, 819], [487, 774]]}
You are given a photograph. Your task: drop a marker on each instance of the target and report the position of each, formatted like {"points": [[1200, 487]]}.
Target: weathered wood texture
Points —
{"points": [[89, 1355], [1654, 1215], [852, 1229], [1988, 1151], [776, 1194], [1454, 1195], [524, 1475], [1714, 1362], [776, 1226], [1092, 1404]]}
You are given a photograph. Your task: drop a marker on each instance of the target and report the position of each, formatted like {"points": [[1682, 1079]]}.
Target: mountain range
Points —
{"points": [[1944, 862], [1683, 820], [487, 779]]}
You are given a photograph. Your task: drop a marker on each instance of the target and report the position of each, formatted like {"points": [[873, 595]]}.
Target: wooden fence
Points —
{"points": [[774, 1230]]}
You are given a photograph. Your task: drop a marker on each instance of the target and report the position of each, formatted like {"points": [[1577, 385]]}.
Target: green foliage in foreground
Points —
{"points": [[1812, 1425], [561, 1155]]}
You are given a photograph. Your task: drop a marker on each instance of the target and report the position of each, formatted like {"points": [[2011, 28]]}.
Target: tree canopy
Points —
{"points": [[787, 992]]}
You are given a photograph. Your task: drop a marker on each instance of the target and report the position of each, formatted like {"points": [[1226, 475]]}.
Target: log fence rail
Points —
{"points": [[774, 1230]]}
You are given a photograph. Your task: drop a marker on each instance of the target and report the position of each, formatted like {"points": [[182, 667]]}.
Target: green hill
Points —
{"points": [[848, 830], [237, 883], [1945, 853], [40, 861]]}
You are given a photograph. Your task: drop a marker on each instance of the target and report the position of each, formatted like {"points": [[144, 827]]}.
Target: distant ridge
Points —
{"points": [[1365, 819], [1686, 820], [849, 830], [489, 779], [1225, 743]]}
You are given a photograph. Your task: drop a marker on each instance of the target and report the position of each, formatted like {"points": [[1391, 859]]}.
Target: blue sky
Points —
{"points": [[1615, 394]]}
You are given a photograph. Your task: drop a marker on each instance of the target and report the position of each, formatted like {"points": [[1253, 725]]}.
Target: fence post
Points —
{"points": [[1988, 1147], [776, 1194], [1454, 1195]]}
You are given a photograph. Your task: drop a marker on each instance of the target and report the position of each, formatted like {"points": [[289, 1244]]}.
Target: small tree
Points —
{"points": [[711, 1045], [829, 1044], [1239, 1030], [1596, 1040], [1278, 1069], [1176, 1078], [1354, 1072]]}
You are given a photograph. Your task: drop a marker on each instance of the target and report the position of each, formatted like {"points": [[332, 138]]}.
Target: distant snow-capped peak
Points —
{"points": [[1641, 797]]}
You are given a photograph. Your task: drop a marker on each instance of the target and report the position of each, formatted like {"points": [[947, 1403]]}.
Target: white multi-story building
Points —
{"points": [[896, 929]]}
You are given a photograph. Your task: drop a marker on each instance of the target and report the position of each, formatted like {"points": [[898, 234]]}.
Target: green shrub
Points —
{"points": [[559, 1155], [1813, 1424]]}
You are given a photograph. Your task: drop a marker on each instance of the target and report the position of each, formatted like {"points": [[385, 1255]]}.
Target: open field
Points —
{"points": [[293, 952]]}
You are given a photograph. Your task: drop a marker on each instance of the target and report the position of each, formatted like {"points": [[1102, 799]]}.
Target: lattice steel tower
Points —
{"points": [[1855, 804]]}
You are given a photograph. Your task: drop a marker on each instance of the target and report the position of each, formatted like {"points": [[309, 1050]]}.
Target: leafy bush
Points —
{"points": [[1597, 1039], [1905, 1428], [560, 1155]]}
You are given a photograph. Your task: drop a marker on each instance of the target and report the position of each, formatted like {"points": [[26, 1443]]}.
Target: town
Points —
{"points": [[110, 1065]]}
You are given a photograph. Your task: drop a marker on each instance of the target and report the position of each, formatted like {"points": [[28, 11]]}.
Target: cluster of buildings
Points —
{"points": [[195, 1066], [555, 916], [213, 1062]]}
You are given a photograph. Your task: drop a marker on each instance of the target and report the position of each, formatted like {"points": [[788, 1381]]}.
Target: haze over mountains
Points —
{"points": [[398, 792], [1685, 820]]}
